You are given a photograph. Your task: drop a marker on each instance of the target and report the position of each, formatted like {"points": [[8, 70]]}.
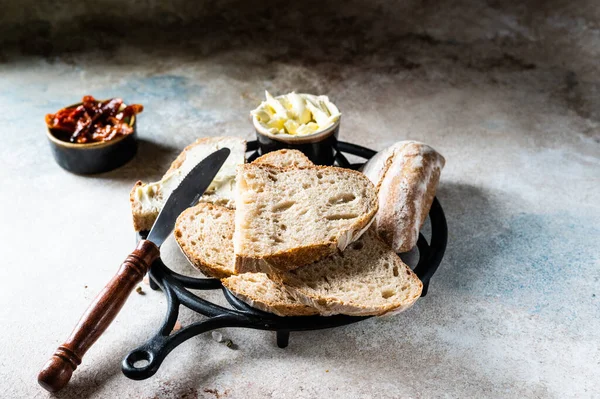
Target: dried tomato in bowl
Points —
{"points": [[93, 121]]}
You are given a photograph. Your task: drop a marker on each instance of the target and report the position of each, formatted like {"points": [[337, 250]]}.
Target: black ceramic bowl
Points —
{"points": [[90, 158], [319, 147]]}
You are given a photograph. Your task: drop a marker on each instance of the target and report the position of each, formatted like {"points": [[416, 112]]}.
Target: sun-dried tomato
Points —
{"points": [[94, 121]]}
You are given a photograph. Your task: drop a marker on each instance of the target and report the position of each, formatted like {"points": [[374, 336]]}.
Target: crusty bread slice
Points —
{"points": [[406, 175], [260, 292], [148, 199], [287, 218], [205, 235], [284, 159], [368, 278]]}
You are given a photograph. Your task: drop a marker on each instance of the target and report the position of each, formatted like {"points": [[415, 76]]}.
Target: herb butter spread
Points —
{"points": [[296, 114]]}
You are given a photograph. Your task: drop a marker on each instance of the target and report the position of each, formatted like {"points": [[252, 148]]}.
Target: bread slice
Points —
{"points": [[367, 279], [287, 218], [205, 235], [148, 199], [406, 175], [284, 159], [260, 292]]}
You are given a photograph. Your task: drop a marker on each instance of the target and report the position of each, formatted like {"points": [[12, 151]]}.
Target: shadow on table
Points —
{"points": [[150, 163], [475, 218], [88, 379]]}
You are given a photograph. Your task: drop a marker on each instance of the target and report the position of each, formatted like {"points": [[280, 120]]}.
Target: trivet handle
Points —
{"points": [[105, 307]]}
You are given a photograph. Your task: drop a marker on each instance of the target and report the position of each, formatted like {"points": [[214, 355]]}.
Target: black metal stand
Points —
{"points": [[143, 362]]}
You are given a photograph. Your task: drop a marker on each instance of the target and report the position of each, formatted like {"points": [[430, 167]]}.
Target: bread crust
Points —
{"points": [[284, 260]]}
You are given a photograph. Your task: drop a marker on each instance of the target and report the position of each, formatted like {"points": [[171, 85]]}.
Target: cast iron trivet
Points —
{"points": [[175, 286]]}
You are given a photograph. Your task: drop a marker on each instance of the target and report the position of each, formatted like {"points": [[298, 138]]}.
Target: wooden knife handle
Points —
{"points": [[96, 319]]}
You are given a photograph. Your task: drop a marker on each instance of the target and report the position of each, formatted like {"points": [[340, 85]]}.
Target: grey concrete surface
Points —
{"points": [[507, 91]]}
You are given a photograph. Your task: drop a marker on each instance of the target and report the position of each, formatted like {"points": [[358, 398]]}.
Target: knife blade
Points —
{"points": [[58, 370], [187, 193]]}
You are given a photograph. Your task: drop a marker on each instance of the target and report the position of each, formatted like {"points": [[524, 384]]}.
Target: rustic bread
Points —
{"points": [[205, 235], [148, 199], [286, 218], [284, 159], [384, 284], [368, 278], [406, 176]]}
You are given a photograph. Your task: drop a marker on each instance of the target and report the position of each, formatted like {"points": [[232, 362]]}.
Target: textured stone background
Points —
{"points": [[507, 91]]}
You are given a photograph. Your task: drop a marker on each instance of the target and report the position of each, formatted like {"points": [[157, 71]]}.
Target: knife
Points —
{"points": [[105, 307]]}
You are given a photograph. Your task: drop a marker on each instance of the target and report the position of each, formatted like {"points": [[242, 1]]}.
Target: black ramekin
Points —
{"points": [[91, 158], [319, 147]]}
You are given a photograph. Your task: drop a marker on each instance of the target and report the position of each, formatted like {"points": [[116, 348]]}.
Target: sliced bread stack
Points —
{"points": [[349, 273], [205, 235]]}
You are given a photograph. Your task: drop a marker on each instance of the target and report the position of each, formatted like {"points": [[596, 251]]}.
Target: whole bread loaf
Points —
{"points": [[406, 176]]}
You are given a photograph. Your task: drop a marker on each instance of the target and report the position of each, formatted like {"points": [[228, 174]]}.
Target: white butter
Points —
{"points": [[153, 196], [296, 114]]}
